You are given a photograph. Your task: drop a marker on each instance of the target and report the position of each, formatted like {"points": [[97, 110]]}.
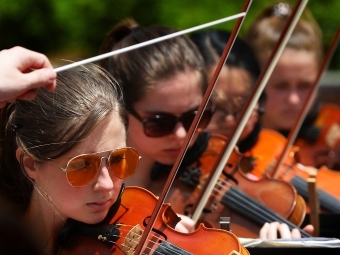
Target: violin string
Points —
{"points": [[153, 236], [264, 215]]}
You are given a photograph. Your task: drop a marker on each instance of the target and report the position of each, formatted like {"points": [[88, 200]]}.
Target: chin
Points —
{"points": [[167, 161], [285, 126], [97, 218]]}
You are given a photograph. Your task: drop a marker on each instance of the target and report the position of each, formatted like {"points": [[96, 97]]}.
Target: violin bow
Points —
{"points": [[308, 102], [247, 109], [146, 43], [192, 130]]}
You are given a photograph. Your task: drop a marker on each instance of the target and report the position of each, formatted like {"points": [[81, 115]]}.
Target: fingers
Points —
{"points": [[22, 71], [264, 231], [276, 230], [309, 229], [32, 59], [186, 225], [42, 77], [285, 233], [295, 233], [180, 228], [272, 231], [28, 95]]}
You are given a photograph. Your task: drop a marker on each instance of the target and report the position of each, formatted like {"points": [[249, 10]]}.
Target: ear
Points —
{"points": [[27, 163]]}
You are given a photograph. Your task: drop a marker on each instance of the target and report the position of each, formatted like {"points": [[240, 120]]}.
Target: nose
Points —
{"points": [[294, 97], [180, 131], [229, 119], [104, 179]]}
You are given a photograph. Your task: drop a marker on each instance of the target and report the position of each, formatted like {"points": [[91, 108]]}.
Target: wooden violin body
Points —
{"points": [[325, 151], [249, 203], [295, 173], [129, 221]]}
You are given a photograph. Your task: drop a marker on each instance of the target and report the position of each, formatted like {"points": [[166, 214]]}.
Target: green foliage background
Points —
{"points": [[74, 29]]}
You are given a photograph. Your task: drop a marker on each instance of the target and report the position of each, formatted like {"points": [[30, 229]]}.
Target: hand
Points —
{"points": [[186, 225], [18, 80], [271, 231]]}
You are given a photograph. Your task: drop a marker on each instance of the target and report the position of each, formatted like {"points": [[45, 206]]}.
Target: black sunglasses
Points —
{"points": [[164, 123]]}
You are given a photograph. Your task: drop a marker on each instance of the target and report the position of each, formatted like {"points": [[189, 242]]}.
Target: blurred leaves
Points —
{"points": [[75, 29]]}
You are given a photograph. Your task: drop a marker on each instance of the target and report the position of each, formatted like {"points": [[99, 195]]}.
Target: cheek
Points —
{"points": [[273, 101], [117, 186], [50, 177], [53, 181]]}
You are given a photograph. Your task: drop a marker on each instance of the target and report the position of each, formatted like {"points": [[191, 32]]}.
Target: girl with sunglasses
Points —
{"points": [[234, 85], [63, 155], [163, 86], [291, 82]]}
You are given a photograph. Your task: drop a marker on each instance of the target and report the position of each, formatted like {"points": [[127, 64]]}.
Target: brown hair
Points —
{"points": [[139, 70], [53, 123], [265, 31]]}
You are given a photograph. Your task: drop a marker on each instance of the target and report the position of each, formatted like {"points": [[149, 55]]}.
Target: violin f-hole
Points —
{"points": [[145, 223]]}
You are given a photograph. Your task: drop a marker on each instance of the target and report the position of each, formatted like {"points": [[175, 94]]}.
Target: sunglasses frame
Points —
{"points": [[144, 120], [101, 158]]}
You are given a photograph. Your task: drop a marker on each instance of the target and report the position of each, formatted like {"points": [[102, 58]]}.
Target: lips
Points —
{"points": [[173, 151], [100, 205]]}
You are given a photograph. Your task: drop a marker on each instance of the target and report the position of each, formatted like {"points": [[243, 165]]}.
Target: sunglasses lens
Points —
{"points": [[123, 162], [81, 170], [189, 118], [205, 119], [158, 126]]}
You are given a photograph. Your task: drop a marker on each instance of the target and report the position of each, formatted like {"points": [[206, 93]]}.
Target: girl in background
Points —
{"points": [[291, 82], [234, 85]]}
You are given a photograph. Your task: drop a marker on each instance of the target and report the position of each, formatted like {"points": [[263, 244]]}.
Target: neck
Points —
{"points": [[43, 222]]}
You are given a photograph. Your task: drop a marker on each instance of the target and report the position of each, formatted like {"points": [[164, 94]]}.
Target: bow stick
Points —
{"points": [[143, 44], [308, 102], [191, 131], [248, 107]]}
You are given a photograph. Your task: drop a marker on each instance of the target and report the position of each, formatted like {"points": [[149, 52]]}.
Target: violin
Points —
{"points": [[121, 230], [249, 203], [292, 171], [325, 150]]}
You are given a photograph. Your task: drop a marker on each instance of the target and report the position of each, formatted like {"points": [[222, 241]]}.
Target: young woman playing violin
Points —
{"points": [[290, 83], [163, 87], [64, 155], [237, 77]]}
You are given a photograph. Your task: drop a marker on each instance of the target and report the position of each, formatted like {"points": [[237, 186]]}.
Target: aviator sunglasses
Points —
{"points": [[163, 124], [82, 169]]}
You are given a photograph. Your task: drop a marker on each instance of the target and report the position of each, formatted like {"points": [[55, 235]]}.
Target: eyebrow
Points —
{"points": [[160, 112]]}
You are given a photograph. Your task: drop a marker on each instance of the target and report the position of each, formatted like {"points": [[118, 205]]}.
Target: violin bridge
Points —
{"points": [[132, 239]]}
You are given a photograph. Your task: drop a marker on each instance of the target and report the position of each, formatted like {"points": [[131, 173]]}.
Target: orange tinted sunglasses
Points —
{"points": [[82, 169]]}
